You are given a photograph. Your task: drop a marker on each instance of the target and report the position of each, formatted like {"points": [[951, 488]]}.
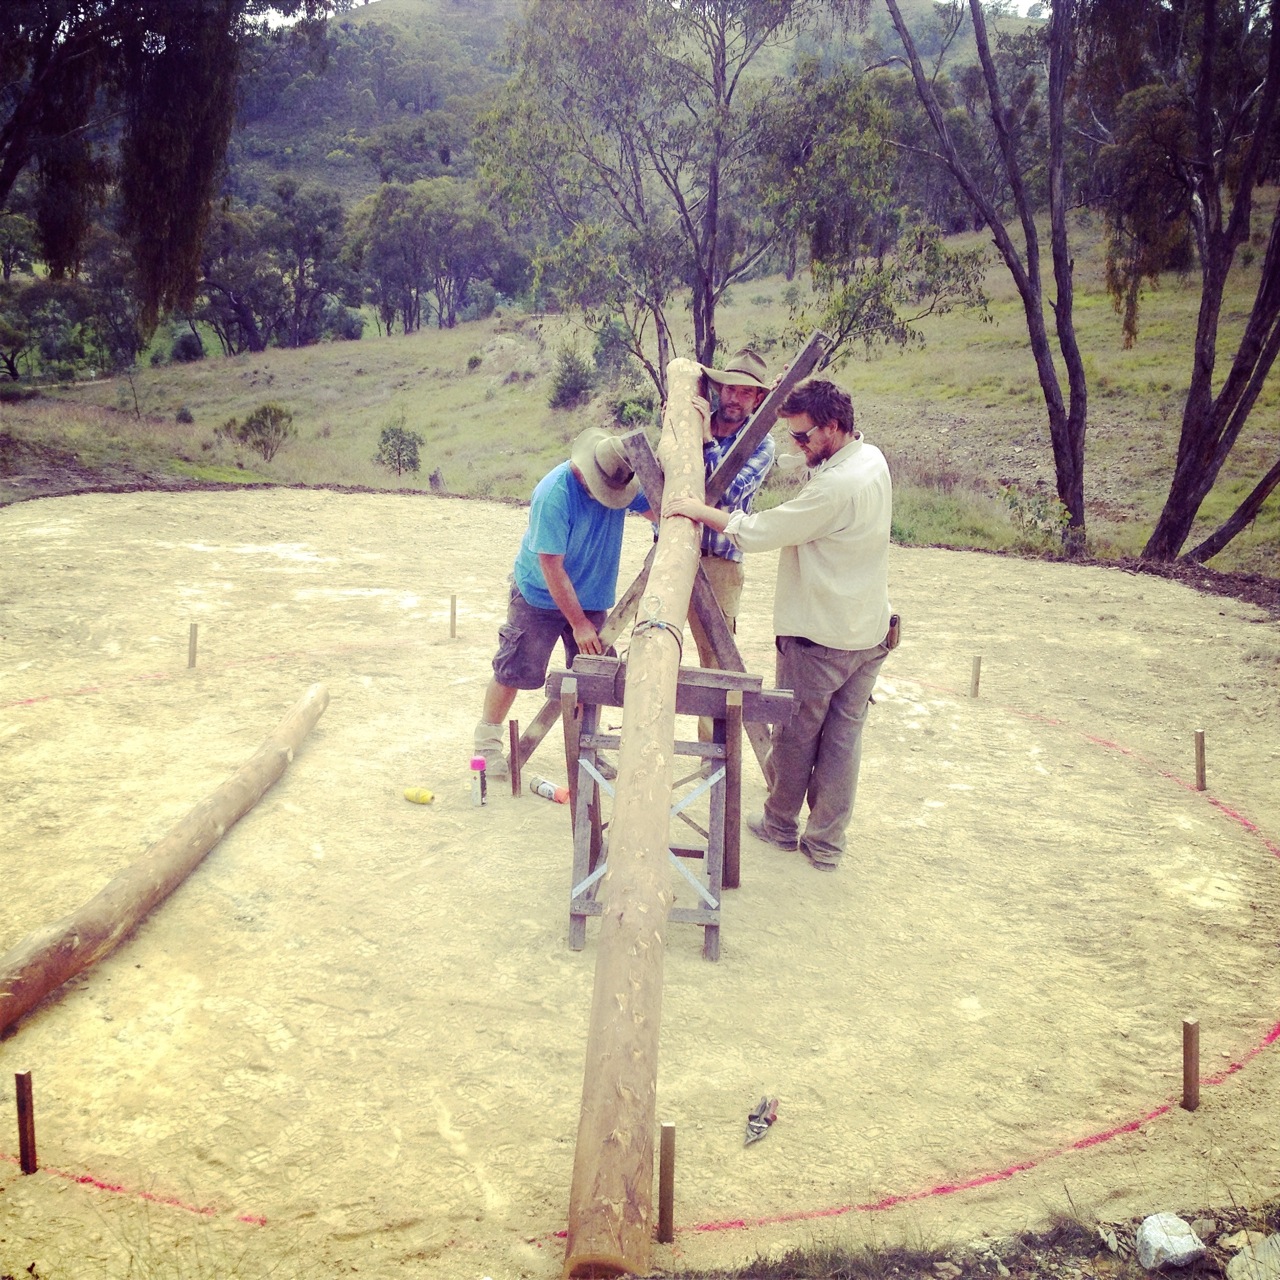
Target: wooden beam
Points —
{"points": [[733, 788], [44, 960], [571, 718], [724, 648], [700, 692], [705, 606], [611, 1221], [513, 732], [761, 422]]}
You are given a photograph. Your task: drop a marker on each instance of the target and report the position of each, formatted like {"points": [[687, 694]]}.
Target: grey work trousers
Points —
{"points": [[815, 755]]}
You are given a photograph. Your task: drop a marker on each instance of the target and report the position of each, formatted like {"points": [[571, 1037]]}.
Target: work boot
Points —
{"points": [[759, 828], [489, 743]]}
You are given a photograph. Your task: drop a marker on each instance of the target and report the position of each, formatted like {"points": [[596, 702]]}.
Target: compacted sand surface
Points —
{"points": [[354, 1039]]}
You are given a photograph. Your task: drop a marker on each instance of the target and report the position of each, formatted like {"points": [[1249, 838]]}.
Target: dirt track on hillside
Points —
{"points": [[355, 1037]]}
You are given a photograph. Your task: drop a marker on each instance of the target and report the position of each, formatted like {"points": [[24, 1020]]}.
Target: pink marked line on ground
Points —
{"points": [[832, 1211], [150, 1197], [1082, 1144]]}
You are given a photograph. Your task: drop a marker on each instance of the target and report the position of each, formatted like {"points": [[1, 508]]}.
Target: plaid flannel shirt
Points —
{"points": [[738, 496]]}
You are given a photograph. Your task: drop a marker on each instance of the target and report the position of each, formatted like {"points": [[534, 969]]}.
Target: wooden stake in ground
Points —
{"points": [[27, 1161], [44, 960], [667, 1185], [611, 1224], [1190, 1063]]}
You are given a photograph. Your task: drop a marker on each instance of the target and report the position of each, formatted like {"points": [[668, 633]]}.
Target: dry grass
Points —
{"points": [[961, 417]]}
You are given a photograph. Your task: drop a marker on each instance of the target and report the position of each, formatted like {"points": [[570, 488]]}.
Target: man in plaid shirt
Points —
{"points": [[741, 385]]}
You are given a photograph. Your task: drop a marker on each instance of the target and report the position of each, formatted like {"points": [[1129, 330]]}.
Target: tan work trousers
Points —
{"points": [[726, 578]]}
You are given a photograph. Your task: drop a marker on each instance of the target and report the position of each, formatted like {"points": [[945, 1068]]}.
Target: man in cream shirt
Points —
{"points": [[830, 615]]}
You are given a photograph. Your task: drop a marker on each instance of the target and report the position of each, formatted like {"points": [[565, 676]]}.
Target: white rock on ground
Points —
{"points": [[1165, 1240]]}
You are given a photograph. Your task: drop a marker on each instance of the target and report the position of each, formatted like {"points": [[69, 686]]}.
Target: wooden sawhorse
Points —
{"points": [[731, 699]]}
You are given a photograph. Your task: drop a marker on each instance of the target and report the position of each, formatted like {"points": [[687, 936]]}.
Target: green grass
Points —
{"points": [[960, 417]]}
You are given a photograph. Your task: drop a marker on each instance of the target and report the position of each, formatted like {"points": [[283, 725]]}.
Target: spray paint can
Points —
{"points": [[548, 790], [479, 788]]}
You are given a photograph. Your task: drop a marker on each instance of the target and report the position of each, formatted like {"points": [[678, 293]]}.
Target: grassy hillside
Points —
{"points": [[395, 65], [309, 117], [961, 417]]}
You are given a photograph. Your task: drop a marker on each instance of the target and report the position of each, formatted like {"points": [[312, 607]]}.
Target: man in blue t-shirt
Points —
{"points": [[565, 577]]}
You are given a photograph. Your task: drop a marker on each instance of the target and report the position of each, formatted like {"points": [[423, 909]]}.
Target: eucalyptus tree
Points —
{"points": [[387, 248], [306, 233], [433, 236], [139, 92], [1025, 169], [18, 244], [1193, 87], [832, 178], [243, 295], [633, 128]]}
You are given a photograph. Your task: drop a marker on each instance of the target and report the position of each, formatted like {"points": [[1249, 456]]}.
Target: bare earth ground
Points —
{"points": [[354, 1040]]}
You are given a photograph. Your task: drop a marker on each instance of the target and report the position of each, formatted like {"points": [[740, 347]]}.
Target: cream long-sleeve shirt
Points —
{"points": [[833, 571]]}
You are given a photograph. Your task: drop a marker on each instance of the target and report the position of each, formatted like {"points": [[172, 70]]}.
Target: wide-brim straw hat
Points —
{"points": [[746, 369], [603, 464]]}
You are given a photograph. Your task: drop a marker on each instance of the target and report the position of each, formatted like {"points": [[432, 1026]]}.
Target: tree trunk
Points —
{"points": [[1066, 428], [611, 1221], [1070, 466], [1211, 426], [44, 960], [1240, 519]]}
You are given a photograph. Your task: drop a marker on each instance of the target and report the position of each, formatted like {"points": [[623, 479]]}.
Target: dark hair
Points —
{"points": [[823, 401]]}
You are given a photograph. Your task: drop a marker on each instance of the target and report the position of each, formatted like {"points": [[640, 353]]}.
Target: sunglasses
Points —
{"points": [[802, 437]]}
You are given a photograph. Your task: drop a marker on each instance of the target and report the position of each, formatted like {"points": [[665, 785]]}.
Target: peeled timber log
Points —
{"points": [[611, 1217], [45, 959]]}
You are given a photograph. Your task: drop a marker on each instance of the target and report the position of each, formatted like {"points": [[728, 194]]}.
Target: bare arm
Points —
{"points": [[692, 509], [585, 636]]}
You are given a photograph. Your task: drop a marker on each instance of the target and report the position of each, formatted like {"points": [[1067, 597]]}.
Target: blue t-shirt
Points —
{"points": [[565, 520]]}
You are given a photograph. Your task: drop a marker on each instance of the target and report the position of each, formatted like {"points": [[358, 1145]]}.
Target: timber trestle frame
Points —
{"points": [[703, 603], [732, 699]]}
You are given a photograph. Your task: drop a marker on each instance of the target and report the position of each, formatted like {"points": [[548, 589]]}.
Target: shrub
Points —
{"points": [[573, 379], [474, 361], [1037, 513], [343, 323], [634, 410], [398, 448], [184, 415], [265, 429], [480, 302], [186, 348]]}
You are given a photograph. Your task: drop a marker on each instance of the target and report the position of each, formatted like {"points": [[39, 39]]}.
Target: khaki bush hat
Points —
{"points": [[602, 461], [746, 369]]}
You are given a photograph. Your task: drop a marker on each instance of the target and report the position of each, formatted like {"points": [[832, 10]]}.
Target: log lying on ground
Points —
{"points": [[611, 1199], [45, 959]]}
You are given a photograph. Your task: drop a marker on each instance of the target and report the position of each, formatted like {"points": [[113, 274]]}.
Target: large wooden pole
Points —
{"points": [[45, 959], [611, 1219]]}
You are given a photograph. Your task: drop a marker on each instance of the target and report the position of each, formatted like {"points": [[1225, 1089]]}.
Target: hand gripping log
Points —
{"points": [[611, 1221], [45, 959]]}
